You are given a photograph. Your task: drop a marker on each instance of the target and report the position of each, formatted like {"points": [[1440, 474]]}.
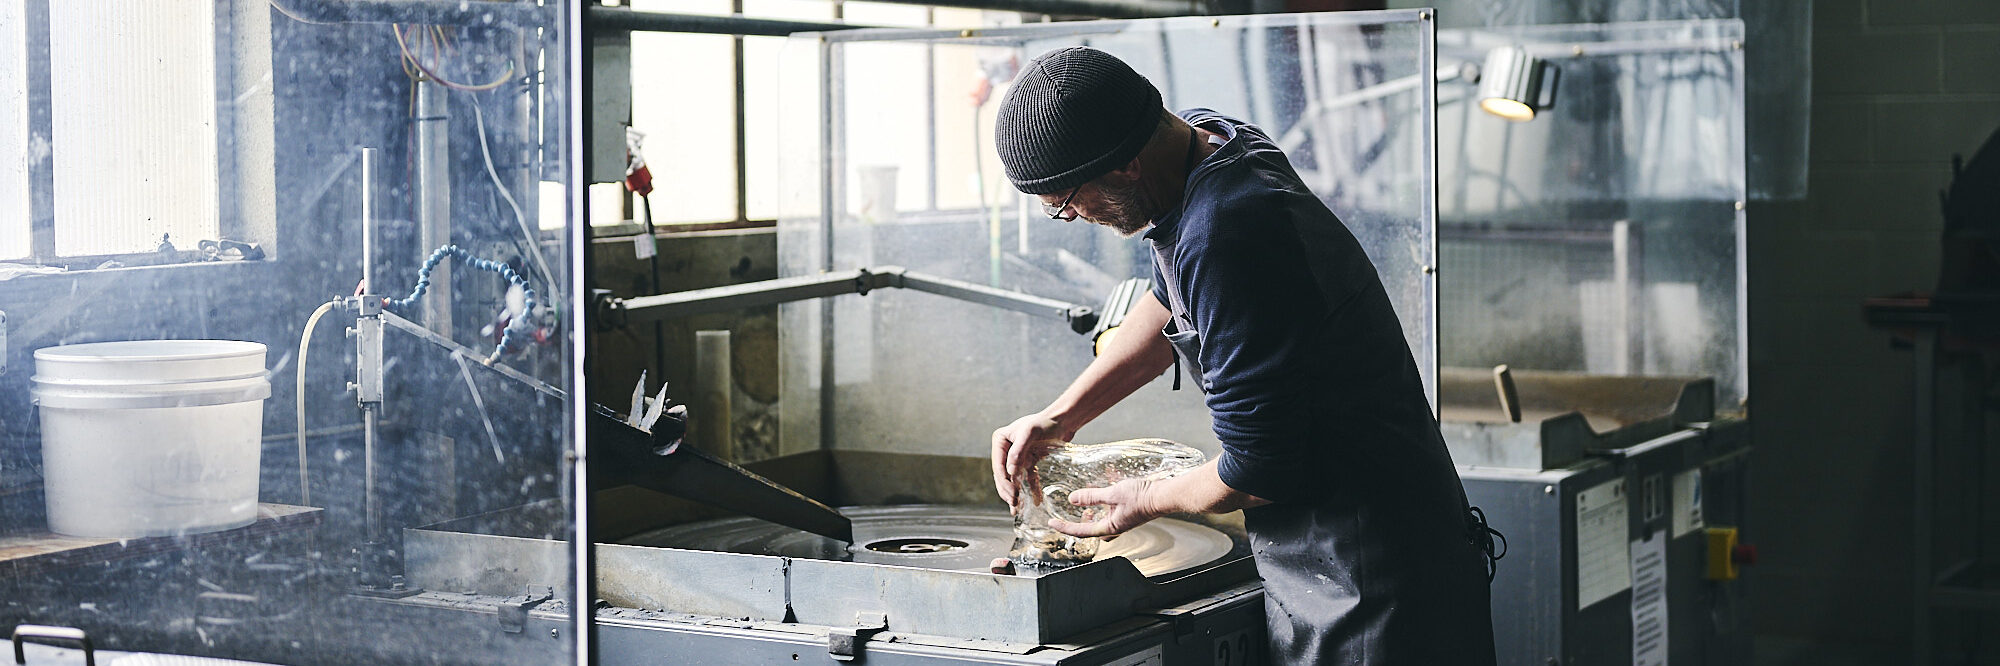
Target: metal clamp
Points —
{"points": [[514, 614], [863, 281], [49, 636], [844, 643]]}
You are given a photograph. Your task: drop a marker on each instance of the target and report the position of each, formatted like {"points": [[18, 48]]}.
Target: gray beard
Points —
{"points": [[1125, 209]]}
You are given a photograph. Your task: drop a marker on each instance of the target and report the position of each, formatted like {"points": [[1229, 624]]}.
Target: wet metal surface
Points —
{"points": [[929, 536]]}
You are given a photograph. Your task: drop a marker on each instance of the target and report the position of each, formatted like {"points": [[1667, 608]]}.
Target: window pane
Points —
{"points": [[707, 7], [683, 99], [947, 17], [125, 177], [761, 56], [885, 14], [13, 133], [894, 167], [801, 10]]}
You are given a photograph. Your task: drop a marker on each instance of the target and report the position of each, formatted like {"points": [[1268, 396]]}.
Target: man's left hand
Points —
{"points": [[1126, 504]]}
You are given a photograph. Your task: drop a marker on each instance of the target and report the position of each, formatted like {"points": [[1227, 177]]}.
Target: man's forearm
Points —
{"points": [[1199, 491], [1134, 357]]}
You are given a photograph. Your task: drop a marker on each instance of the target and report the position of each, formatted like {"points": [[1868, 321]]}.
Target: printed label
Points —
{"points": [[1649, 602], [1603, 556]]}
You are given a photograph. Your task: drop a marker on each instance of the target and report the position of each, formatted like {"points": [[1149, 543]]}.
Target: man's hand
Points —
{"points": [[1126, 504], [1018, 446], [1132, 502]]}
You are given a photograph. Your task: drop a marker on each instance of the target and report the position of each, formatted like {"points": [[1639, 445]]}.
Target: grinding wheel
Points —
{"points": [[937, 536]]}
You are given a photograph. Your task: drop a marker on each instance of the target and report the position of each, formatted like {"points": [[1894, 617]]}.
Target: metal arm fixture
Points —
{"points": [[620, 311], [598, 18], [1096, 8]]}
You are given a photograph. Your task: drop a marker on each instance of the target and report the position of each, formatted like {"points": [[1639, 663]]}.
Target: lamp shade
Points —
{"points": [[1514, 85]]}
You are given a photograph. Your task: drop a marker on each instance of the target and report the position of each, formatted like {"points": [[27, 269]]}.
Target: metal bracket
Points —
{"points": [[862, 281], [368, 367], [844, 643], [514, 614]]}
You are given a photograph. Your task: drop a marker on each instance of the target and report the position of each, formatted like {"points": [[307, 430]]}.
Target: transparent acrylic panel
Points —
{"points": [[250, 501], [907, 175], [1777, 65], [1605, 235]]}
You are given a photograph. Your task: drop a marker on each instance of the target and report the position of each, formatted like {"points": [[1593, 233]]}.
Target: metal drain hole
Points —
{"points": [[916, 545]]}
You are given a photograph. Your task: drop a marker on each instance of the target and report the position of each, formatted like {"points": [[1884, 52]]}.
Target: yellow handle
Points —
{"points": [[1103, 340]]}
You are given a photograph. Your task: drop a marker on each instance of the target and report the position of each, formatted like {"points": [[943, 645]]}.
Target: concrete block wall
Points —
{"points": [[1898, 86]]}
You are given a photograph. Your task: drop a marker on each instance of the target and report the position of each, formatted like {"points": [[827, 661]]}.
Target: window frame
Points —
{"points": [[44, 228], [632, 225]]}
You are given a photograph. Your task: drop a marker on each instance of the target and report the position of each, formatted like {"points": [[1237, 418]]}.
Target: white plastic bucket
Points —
{"points": [[150, 437]]}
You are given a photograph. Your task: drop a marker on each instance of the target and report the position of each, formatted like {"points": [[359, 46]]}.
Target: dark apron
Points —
{"points": [[1348, 581]]}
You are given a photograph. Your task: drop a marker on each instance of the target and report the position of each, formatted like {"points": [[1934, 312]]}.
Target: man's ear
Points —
{"points": [[1128, 173]]}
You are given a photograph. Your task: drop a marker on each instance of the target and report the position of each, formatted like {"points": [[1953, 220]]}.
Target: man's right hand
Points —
{"points": [[1018, 446]]}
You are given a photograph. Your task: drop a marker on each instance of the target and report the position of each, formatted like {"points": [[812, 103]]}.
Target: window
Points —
{"points": [[684, 99], [14, 155], [123, 137]]}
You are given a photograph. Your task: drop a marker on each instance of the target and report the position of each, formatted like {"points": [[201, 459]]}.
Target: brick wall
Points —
{"points": [[1898, 86]]}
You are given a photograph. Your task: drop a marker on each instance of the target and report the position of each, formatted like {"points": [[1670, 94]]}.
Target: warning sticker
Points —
{"points": [[1687, 502]]}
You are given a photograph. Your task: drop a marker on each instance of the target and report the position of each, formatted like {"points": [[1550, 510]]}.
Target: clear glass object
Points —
{"points": [[336, 141], [1072, 467], [904, 173]]}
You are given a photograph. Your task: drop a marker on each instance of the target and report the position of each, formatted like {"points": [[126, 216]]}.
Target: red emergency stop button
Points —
{"points": [[1744, 554]]}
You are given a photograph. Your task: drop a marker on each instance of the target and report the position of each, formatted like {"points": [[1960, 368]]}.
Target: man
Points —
{"points": [[1355, 513]]}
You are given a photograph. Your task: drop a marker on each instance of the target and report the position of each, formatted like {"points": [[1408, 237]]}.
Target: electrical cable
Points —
{"points": [[404, 46], [659, 331], [288, 14], [534, 249], [299, 392], [1482, 535]]}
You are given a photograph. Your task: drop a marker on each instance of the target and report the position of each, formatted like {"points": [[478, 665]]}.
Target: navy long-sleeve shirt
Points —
{"points": [[1365, 553], [1302, 358]]}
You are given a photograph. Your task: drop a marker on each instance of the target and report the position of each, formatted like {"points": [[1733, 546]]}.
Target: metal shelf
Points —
{"points": [[1934, 326]]}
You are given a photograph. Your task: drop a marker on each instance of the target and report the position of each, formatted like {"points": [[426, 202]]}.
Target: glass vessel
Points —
{"points": [[1076, 466]]}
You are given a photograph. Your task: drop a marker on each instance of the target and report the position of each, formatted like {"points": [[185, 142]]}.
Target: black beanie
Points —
{"points": [[1072, 115]]}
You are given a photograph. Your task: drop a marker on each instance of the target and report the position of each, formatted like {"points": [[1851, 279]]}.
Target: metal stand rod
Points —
{"points": [[368, 417], [431, 120], [368, 219]]}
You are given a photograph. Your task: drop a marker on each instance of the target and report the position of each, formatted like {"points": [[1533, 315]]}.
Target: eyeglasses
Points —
{"points": [[1061, 211]]}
